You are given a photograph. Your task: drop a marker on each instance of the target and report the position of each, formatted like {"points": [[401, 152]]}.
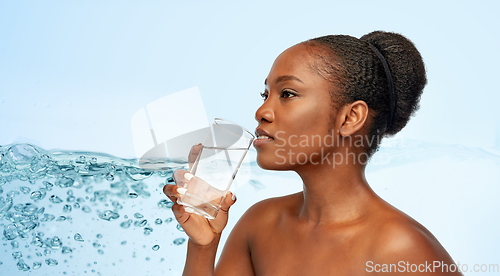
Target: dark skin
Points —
{"points": [[337, 223]]}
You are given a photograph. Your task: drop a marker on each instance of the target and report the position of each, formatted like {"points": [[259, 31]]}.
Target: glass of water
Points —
{"points": [[215, 167]]}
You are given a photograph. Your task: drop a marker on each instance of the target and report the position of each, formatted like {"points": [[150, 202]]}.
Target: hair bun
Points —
{"points": [[407, 70]]}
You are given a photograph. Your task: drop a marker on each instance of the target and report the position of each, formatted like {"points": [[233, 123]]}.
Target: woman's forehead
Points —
{"points": [[295, 62]]}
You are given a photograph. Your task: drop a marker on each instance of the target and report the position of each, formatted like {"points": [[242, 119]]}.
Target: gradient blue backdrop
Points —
{"points": [[72, 74]]}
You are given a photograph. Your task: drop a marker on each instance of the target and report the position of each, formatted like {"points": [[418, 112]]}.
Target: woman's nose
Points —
{"points": [[265, 112]]}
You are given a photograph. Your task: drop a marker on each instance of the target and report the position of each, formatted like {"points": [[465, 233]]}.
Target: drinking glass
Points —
{"points": [[215, 167]]}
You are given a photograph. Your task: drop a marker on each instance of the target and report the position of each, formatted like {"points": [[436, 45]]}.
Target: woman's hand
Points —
{"points": [[200, 230]]}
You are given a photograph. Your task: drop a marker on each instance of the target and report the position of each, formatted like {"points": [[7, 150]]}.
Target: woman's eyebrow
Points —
{"points": [[285, 78]]}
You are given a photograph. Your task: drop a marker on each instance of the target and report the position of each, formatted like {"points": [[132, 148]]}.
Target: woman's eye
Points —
{"points": [[263, 95], [287, 94]]}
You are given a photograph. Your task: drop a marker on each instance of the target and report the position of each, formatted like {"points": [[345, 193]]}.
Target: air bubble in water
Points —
{"points": [[169, 220], [21, 265], [165, 203], [100, 251], [14, 244], [140, 223], [78, 237], [48, 185], [179, 227], [138, 215], [67, 208], [66, 250], [158, 221], [156, 247], [55, 199], [38, 194], [147, 230], [17, 255], [20, 156], [86, 209], [37, 265], [64, 182], [5, 205], [25, 190], [133, 195], [179, 241], [51, 262], [126, 224], [99, 236], [61, 218], [109, 215]]}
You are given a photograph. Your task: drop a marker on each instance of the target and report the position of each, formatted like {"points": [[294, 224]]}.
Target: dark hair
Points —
{"points": [[357, 73]]}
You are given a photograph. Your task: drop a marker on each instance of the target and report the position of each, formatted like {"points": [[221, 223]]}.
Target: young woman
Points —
{"points": [[327, 103]]}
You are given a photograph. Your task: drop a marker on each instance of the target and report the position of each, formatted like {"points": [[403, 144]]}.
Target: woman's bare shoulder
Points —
{"points": [[398, 237], [270, 210]]}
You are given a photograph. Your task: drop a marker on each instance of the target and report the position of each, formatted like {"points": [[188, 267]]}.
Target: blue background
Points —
{"points": [[72, 74]]}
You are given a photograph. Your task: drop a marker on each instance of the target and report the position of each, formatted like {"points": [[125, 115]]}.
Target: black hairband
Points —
{"points": [[390, 83]]}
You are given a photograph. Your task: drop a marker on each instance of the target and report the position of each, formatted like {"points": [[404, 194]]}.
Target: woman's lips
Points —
{"points": [[261, 140]]}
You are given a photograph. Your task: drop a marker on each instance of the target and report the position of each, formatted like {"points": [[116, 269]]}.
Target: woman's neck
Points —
{"points": [[339, 195]]}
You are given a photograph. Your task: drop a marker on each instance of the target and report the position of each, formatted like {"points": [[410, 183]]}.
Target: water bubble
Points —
{"points": [[38, 254], [133, 195], [140, 223], [96, 245], [76, 205], [169, 220], [179, 241], [47, 217], [55, 243], [179, 227], [89, 189], [80, 200], [137, 173], [138, 215], [5, 205], [48, 185], [70, 199], [67, 208], [86, 209], [99, 236], [169, 180], [158, 221], [51, 262], [37, 265], [10, 232], [66, 250], [21, 265], [109, 215], [55, 199], [20, 156], [47, 252], [12, 194], [165, 203], [38, 194], [64, 182], [78, 237], [61, 218], [147, 230], [25, 190], [17, 255], [156, 247], [123, 242], [14, 244], [126, 224]]}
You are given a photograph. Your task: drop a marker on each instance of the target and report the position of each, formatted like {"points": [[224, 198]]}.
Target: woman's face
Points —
{"points": [[296, 113]]}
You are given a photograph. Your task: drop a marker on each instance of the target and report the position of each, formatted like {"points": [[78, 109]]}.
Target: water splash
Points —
{"points": [[70, 183]]}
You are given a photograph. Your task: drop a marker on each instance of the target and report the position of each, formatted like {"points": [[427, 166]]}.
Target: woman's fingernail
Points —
{"points": [[233, 197], [188, 176], [181, 190], [188, 209]]}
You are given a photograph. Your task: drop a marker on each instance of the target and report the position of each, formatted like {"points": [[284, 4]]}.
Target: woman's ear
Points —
{"points": [[353, 117]]}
